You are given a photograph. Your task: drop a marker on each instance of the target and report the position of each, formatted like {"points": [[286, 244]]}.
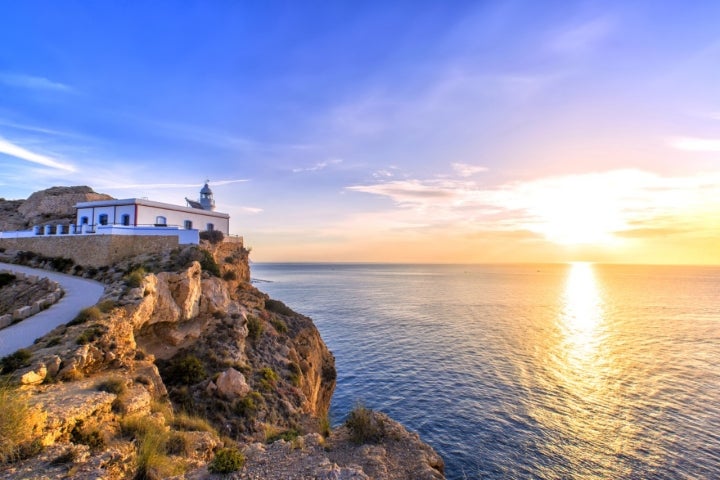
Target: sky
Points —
{"points": [[374, 131]]}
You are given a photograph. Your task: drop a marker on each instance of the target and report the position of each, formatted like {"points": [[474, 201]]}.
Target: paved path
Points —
{"points": [[79, 293]]}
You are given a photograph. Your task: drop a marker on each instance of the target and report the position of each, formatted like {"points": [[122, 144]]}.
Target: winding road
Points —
{"points": [[79, 293]]}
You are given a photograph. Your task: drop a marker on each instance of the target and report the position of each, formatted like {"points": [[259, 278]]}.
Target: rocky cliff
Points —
{"points": [[51, 206], [182, 369]]}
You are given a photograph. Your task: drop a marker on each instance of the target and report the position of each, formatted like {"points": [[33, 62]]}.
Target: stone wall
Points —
{"points": [[91, 250], [40, 293]]}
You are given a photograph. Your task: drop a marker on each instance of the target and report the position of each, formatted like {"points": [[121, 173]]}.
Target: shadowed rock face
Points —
{"points": [[51, 206]]}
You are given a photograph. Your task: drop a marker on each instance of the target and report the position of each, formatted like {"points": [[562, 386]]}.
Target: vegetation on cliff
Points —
{"points": [[183, 369]]}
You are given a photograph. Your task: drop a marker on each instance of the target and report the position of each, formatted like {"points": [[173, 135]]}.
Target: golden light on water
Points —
{"points": [[585, 404], [582, 312]]}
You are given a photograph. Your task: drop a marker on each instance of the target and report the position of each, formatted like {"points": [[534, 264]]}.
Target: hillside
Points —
{"points": [[51, 206]]}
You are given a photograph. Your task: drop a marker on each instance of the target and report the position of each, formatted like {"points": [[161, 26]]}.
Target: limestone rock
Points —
{"points": [[56, 204], [35, 376], [185, 288], [231, 384], [215, 298]]}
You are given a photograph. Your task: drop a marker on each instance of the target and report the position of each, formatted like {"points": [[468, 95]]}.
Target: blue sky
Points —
{"points": [[376, 131]]}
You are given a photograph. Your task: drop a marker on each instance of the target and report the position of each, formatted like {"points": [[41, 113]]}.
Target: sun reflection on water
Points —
{"points": [[586, 411], [582, 313]]}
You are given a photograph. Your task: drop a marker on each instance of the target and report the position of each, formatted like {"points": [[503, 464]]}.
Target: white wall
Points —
{"points": [[147, 216]]}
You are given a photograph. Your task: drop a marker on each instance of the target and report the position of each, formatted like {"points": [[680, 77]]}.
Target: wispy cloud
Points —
{"points": [[39, 129], [558, 204], [318, 166], [466, 170], [129, 186], [695, 144], [582, 36], [252, 210], [32, 82], [14, 150]]}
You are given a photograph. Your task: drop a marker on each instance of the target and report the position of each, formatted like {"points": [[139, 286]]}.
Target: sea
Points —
{"points": [[558, 371]]}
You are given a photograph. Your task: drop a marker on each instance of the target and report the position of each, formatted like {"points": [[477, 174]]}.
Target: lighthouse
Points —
{"points": [[206, 197]]}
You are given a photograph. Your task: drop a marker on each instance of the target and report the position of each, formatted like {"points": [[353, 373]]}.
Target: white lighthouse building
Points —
{"points": [[139, 216]]}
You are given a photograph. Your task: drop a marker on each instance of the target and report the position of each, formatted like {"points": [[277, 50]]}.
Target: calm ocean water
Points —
{"points": [[527, 371]]}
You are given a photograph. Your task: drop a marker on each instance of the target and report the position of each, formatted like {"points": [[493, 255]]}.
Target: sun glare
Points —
{"points": [[582, 212], [582, 311]]}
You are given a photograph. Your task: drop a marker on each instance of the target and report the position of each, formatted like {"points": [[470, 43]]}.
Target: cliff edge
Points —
{"points": [[184, 370]]}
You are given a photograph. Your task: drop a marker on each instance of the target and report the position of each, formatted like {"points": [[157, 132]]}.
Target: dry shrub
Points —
{"points": [[19, 424], [365, 426]]}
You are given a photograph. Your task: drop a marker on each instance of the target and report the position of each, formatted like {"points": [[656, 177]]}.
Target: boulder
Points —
{"points": [[231, 384]]}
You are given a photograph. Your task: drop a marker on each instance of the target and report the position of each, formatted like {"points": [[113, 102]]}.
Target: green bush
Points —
{"points": [[208, 263], [278, 307], [227, 460], [255, 328], [212, 236], [18, 359], [249, 404], [187, 370], [268, 378], [86, 314], [269, 374], [365, 426]]}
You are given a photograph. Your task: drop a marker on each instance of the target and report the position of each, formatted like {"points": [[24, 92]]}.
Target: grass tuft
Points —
{"points": [[89, 314], [18, 423], [365, 426]]}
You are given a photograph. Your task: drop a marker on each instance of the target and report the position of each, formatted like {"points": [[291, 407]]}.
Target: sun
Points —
{"points": [[579, 214]]}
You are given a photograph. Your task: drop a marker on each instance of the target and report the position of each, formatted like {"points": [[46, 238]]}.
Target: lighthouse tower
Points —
{"points": [[206, 197]]}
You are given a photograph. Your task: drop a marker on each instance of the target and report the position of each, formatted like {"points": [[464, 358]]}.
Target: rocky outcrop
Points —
{"points": [[56, 204], [399, 455], [213, 346]]}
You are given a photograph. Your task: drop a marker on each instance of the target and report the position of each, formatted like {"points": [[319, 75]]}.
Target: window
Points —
{"points": [[160, 221], [103, 219], [188, 225], [210, 227], [84, 220], [125, 219]]}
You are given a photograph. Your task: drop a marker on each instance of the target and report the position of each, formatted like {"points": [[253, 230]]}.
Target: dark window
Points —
{"points": [[125, 219], [160, 221], [103, 219], [188, 225], [210, 227], [84, 220]]}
